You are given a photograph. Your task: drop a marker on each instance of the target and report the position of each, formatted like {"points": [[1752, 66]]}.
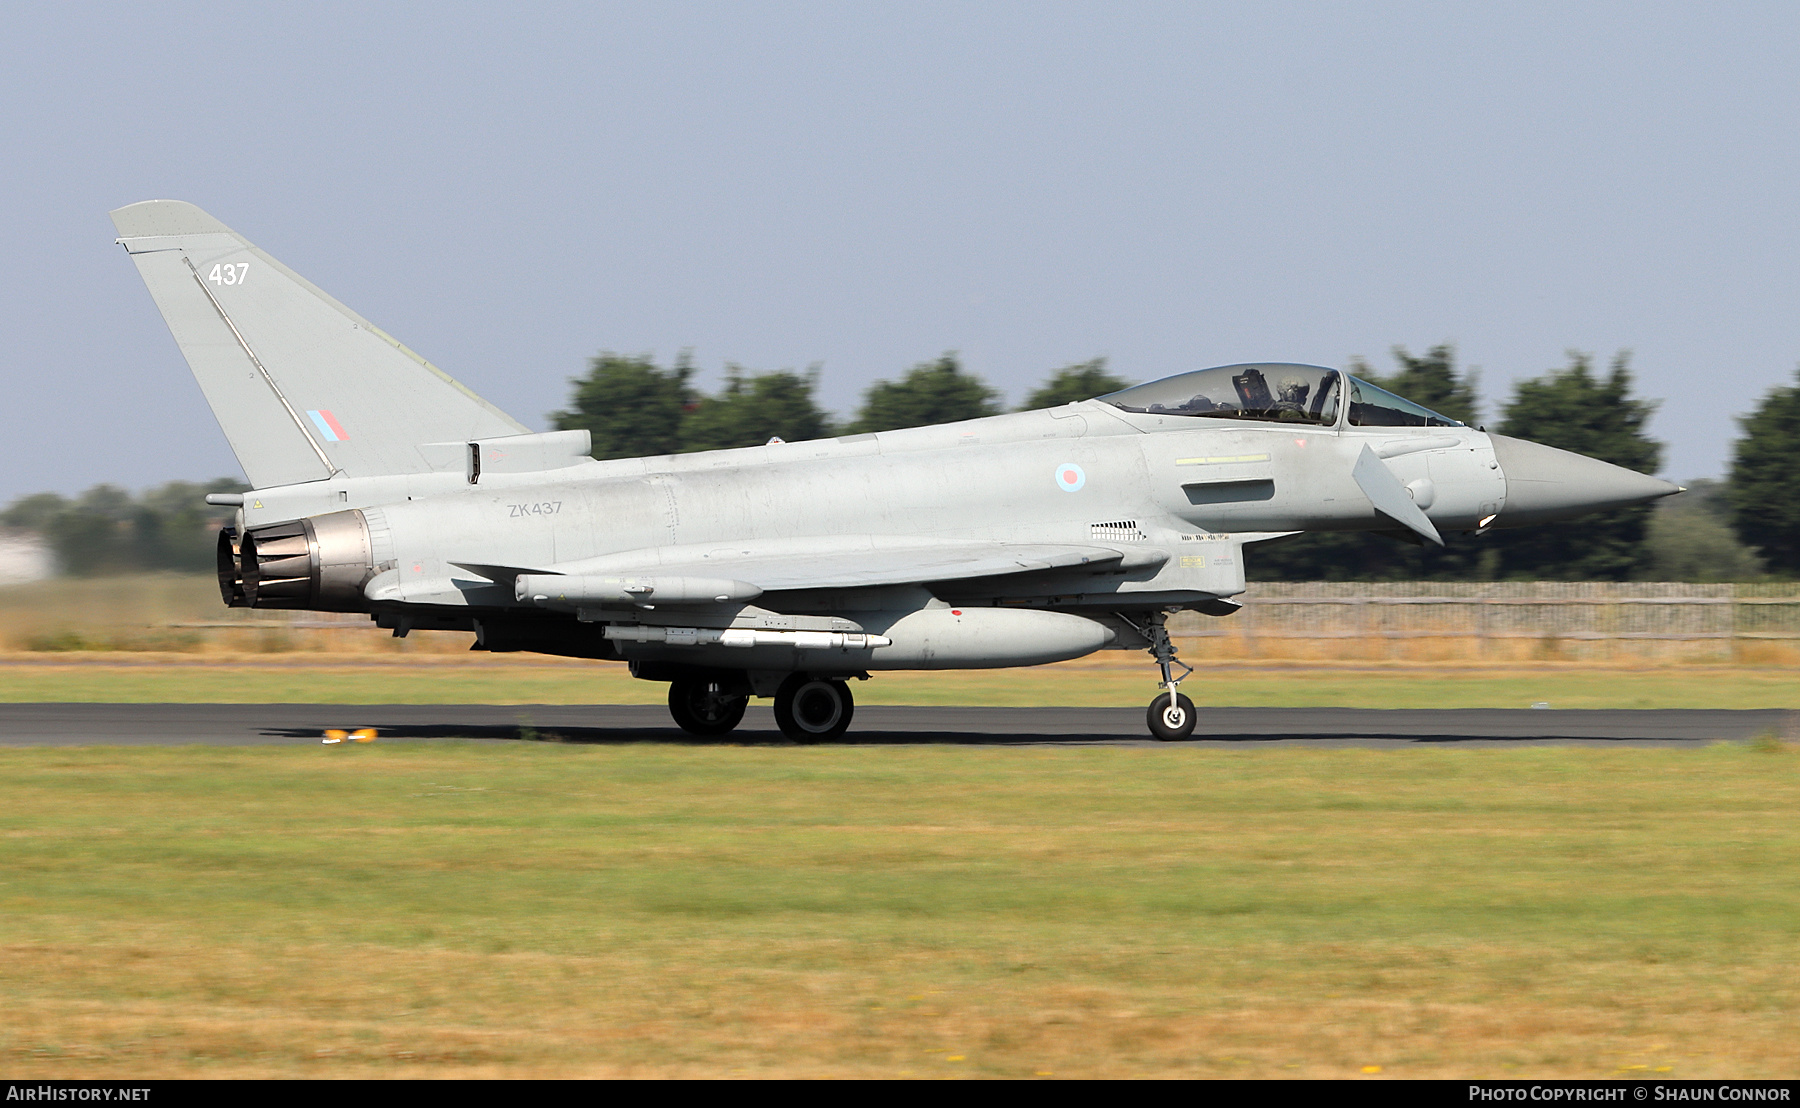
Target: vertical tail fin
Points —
{"points": [[303, 387]]}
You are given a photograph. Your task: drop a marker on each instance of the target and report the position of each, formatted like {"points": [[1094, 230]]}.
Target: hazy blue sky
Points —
{"points": [[510, 189]]}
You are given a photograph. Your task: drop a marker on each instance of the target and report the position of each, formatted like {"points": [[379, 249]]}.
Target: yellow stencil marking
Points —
{"points": [[1222, 460]]}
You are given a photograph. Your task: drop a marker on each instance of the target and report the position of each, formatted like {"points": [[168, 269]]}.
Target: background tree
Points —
{"points": [[106, 530], [1081, 381], [34, 512], [174, 528], [1430, 379], [750, 411], [631, 406], [1765, 479], [1574, 409], [1690, 538], [1372, 556], [94, 535], [931, 392]]}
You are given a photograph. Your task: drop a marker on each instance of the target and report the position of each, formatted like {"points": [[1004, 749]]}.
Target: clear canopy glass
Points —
{"points": [[1282, 393], [1371, 406], [1275, 392]]}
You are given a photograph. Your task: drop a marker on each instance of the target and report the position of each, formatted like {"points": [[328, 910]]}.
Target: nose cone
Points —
{"points": [[1544, 483]]}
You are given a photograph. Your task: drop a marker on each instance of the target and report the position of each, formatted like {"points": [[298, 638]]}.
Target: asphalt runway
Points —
{"points": [[301, 724]]}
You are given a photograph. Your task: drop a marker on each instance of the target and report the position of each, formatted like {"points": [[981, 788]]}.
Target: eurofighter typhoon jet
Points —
{"points": [[381, 485]]}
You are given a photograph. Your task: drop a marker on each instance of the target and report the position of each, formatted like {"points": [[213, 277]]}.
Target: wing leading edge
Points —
{"points": [[701, 573]]}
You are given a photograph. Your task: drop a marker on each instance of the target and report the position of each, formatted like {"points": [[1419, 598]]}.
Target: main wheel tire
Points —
{"points": [[700, 710], [1171, 722], [813, 709]]}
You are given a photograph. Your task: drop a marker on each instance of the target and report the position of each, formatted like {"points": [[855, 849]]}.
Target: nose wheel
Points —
{"points": [[813, 709], [1171, 715]]}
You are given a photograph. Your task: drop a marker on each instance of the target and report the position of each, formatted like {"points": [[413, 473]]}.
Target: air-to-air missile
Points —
{"points": [[381, 485]]}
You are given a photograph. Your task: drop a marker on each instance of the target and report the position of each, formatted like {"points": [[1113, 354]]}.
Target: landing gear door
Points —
{"points": [[1206, 563]]}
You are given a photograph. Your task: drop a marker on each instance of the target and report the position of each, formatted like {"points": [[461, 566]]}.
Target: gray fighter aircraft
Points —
{"points": [[382, 485]]}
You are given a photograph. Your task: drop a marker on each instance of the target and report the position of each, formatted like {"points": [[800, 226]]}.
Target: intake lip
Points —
{"points": [[1545, 484]]}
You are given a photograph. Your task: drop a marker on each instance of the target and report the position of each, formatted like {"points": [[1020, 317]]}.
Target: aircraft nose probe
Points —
{"points": [[1544, 484]]}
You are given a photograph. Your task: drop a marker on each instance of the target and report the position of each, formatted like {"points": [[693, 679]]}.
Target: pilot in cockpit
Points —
{"points": [[1300, 394]]}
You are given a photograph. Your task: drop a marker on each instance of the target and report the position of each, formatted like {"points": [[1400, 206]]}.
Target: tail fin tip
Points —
{"points": [[165, 217], [265, 354]]}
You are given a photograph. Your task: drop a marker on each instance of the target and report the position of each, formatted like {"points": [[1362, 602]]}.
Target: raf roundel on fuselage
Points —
{"points": [[1276, 392]]}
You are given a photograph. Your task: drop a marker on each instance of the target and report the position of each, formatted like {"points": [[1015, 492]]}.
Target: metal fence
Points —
{"points": [[1512, 619]]}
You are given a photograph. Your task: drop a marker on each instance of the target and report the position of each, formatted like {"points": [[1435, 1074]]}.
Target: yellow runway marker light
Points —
{"points": [[361, 735]]}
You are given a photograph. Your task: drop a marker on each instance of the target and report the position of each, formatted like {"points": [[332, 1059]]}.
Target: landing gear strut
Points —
{"points": [[812, 709], [702, 707], [1171, 715]]}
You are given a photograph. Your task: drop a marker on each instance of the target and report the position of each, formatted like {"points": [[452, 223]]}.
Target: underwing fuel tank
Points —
{"points": [[931, 638], [320, 563], [984, 638]]}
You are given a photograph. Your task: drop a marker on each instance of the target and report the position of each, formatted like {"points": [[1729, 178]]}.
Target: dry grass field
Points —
{"points": [[166, 638], [1114, 679], [456, 909]]}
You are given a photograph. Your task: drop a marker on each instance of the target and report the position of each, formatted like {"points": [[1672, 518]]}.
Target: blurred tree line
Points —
{"points": [[107, 530], [1742, 528], [633, 407]]}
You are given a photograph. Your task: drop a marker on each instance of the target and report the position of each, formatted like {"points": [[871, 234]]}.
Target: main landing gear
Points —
{"points": [[702, 707], [812, 709], [808, 709], [1171, 715]]}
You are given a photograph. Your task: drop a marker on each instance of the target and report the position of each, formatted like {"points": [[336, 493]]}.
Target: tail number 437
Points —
{"points": [[229, 273]]}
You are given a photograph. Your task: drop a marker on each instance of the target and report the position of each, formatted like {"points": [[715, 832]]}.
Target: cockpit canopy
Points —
{"points": [[1278, 392]]}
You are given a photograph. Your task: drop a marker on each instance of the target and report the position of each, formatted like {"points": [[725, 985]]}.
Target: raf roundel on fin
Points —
{"points": [[328, 425]]}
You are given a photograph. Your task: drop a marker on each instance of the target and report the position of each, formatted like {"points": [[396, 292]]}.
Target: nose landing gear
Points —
{"points": [[1171, 715]]}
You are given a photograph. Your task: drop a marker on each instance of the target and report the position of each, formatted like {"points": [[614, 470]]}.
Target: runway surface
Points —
{"points": [[300, 724]]}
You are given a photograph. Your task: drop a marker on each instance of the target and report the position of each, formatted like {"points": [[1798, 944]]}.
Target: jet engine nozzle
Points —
{"points": [[320, 563], [1545, 484]]}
